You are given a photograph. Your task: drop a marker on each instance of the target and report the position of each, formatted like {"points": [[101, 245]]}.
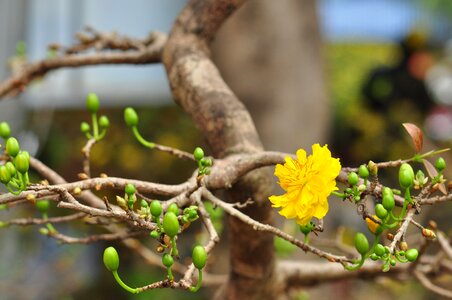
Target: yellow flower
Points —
{"points": [[373, 227], [308, 181]]}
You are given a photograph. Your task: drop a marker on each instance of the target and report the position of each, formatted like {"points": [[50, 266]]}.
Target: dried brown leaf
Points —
{"points": [[416, 135]]}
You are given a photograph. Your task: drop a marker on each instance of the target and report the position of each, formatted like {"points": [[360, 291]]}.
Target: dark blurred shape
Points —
{"points": [[403, 81]]}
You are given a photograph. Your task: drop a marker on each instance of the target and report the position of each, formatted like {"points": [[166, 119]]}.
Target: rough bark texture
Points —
{"points": [[270, 54], [228, 128]]}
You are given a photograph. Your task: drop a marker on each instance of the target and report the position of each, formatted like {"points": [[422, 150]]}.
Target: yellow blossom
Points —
{"points": [[373, 227], [308, 181]]}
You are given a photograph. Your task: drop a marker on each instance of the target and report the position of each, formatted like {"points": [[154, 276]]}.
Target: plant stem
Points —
{"points": [[198, 285], [123, 285], [140, 139], [95, 126]]}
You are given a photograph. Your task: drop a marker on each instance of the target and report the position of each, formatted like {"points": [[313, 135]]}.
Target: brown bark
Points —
{"points": [[228, 128]]}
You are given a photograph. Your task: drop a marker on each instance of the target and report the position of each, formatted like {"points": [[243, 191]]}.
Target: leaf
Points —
{"points": [[432, 172], [416, 135]]}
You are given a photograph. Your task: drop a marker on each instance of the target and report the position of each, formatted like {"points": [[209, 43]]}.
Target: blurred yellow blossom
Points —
{"points": [[308, 181]]}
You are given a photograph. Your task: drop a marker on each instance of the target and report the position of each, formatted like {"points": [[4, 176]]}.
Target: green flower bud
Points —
{"points": [[22, 163], [411, 254], [199, 257], [144, 203], [173, 208], [206, 162], [363, 172], [440, 164], [111, 259], [361, 243], [373, 168], [130, 189], [154, 234], [156, 208], [42, 205], [380, 211], [121, 202], [171, 224], [5, 131], [92, 103], [392, 261], [406, 176], [198, 153], [26, 154], [306, 229], [84, 127], [402, 253], [11, 168], [5, 176], [379, 250], [12, 146], [130, 117], [374, 256], [388, 199], [104, 122], [44, 231], [353, 178], [167, 260]]}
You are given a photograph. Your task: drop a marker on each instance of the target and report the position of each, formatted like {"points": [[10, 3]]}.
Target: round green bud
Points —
{"points": [[167, 260], [92, 103], [192, 214], [130, 189], [5, 176], [11, 168], [388, 199], [84, 127], [156, 208], [104, 122], [130, 117], [348, 190], [361, 243], [5, 131], [22, 162], [363, 171], [42, 205], [379, 250], [171, 224], [26, 154], [199, 257], [154, 234], [173, 208], [306, 229], [411, 254], [380, 211], [12, 146], [440, 164], [111, 259], [374, 256], [198, 153], [392, 261], [402, 253], [144, 203], [353, 178], [406, 176], [206, 162], [184, 219]]}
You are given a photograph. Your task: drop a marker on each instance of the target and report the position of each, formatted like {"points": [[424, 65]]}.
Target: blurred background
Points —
{"points": [[343, 72]]}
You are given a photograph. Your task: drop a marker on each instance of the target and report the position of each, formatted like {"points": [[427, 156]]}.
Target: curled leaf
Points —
{"points": [[416, 135]]}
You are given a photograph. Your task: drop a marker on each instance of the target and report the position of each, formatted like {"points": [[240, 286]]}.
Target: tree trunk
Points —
{"points": [[228, 128], [270, 54]]}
